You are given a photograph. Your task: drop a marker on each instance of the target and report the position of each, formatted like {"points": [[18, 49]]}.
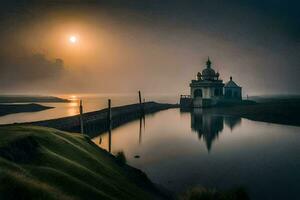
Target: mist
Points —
{"points": [[156, 47]]}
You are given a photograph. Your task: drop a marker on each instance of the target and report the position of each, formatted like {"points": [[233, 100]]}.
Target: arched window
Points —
{"points": [[198, 93]]}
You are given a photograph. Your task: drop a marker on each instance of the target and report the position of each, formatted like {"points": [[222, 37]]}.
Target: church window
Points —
{"points": [[198, 93]]}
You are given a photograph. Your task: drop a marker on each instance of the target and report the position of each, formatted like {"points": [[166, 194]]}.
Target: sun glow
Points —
{"points": [[73, 39], [73, 98]]}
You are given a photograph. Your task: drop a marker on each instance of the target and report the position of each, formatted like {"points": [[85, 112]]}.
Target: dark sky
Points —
{"points": [[156, 45]]}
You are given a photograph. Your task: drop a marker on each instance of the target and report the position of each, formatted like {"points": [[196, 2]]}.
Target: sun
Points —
{"points": [[73, 97], [73, 39]]}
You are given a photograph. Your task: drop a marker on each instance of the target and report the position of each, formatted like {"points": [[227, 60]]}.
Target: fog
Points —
{"points": [[153, 46]]}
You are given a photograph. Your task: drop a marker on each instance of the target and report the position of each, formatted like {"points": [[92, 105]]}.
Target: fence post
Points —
{"points": [[109, 111], [81, 117], [141, 103], [109, 124]]}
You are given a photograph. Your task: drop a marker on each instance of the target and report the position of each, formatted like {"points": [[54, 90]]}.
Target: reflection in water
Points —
{"points": [[232, 122], [109, 140], [140, 131], [247, 153], [209, 126], [100, 140], [206, 125], [142, 128], [72, 108]]}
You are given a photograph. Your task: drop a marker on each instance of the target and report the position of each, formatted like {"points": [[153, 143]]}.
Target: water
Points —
{"points": [[90, 102], [179, 150]]}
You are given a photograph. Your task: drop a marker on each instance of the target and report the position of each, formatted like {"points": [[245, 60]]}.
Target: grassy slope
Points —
{"points": [[43, 163]]}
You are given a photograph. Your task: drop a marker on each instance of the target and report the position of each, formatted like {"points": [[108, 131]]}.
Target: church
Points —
{"points": [[209, 90]]}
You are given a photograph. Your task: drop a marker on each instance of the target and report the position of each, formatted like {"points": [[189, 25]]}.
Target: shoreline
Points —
{"points": [[277, 112], [6, 99], [96, 122], [7, 109]]}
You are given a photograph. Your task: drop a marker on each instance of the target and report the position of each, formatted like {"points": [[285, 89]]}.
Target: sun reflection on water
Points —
{"points": [[72, 108], [73, 98]]}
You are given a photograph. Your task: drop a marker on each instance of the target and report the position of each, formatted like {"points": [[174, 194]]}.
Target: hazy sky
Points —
{"points": [[157, 46]]}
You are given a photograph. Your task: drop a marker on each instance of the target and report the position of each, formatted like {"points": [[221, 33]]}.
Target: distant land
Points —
{"points": [[281, 109], [6, 109], [275, 98], [30, 99]]}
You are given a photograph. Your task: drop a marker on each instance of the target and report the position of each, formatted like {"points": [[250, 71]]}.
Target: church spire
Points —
{"points": [[208, 63]]}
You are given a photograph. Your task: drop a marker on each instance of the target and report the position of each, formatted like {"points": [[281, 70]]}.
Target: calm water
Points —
{"points": [[181, 149], [90, 102]]}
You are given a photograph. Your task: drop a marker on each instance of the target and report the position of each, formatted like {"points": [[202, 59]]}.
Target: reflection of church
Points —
{"points": [[208, 126], [232, 121], [209, 90]]}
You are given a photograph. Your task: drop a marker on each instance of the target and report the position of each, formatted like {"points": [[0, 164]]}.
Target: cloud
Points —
{"points": [[27, 70], [155, 46]]}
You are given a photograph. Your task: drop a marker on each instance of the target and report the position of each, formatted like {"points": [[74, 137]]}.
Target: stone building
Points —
{"points": [[209, 90], [232, 90]]}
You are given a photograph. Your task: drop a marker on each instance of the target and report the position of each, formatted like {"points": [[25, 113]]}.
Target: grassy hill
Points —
{"points": [[44, 163]]}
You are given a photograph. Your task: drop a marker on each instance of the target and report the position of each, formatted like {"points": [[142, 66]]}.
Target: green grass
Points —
{"points": [[44, 163]]}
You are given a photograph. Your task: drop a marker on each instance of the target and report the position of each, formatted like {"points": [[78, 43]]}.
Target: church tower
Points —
{"points": [[207, 89]]}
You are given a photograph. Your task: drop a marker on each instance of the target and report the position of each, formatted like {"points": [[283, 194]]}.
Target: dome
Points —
{"points": [[208, 72]]}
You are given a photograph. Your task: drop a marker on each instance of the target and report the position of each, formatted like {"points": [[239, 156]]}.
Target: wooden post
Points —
{"points": [[142, 129], [81, 117], [140, 97], [109, 124], [141, 103], [109, 111]]}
